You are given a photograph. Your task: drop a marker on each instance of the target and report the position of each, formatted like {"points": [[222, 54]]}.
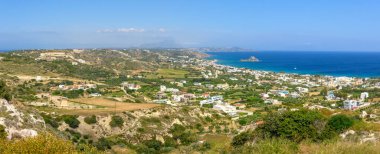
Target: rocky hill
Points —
{"points": [[19, 123]]}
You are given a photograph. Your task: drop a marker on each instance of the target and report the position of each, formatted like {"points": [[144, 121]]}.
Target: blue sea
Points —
{"points": [[352, 64]]}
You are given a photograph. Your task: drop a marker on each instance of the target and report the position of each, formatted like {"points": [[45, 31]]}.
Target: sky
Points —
{"points": [[299, 25]]}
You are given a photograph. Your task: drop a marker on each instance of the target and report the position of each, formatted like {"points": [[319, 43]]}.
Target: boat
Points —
{"points": [[250, 59]]}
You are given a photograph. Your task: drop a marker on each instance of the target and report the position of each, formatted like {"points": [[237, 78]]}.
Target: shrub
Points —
{"points": [[199, 127], [4, 91], [140, 130], [50, 120], [45, 143], [154, 144], [293, 125], [90, 120], [3, 133], [71, 120], [170, 142], [340, 122], [241, 139], [103, 144], [179, 132], [117, 121]]}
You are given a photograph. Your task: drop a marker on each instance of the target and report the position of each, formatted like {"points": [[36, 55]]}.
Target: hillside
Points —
{"points": [[175, 101]]}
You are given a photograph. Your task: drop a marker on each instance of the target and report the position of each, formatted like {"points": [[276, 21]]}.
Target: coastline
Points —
{"points": [[219, 62]]}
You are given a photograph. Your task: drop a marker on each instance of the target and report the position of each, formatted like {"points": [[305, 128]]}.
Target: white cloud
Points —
{"points": [[121, 30], [105, 31], [162, 30], [127, 30]]}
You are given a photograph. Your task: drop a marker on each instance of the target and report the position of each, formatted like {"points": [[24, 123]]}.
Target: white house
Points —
{"points": [[81, 61], [364, 95], [61, 86], [162, 88], [38, 78], [197, 84], [95, 95], [177, 98], [131, 86], [330, 95], [162, 101], [226, 108], [350, 104]]}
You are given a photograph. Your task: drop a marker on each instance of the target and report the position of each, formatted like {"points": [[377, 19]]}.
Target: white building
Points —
{"points": [[81, 61], [162, 101], [197, 84], [162, 88], [95, 95], [38, 78], [177, 98], [226, 108], [364, 95], [350, 104], [61, 86]]}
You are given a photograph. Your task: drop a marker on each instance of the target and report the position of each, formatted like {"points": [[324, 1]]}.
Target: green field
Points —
{"points": [[168, 73]]}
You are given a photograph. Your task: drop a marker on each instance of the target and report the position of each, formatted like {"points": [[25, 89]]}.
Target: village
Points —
{"points": [[212, 86]]}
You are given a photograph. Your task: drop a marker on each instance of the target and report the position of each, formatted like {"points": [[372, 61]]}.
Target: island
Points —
{"points": [[250, 59]]}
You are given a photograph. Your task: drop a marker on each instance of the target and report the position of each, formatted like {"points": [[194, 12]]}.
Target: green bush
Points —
{"points": [[154, 144], [293, 125], [117, 121], [179, 132], [241, 139], [340, 122], [90, 119], [103, 144], [4, 91], [3, 133], [71, 120], [50, 120]]}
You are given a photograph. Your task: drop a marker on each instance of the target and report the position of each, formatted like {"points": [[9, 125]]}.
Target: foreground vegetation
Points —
{"points": [[42, 144]]}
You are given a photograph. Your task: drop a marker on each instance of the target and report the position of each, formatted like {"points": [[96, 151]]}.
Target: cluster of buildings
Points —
{"points": [[130, 86], [218, 104]]}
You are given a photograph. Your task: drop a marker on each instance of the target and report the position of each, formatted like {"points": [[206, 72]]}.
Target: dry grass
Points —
{"points": [[375, 99], [41, 144], [218, 142], [108, 106], [340, 148]]}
